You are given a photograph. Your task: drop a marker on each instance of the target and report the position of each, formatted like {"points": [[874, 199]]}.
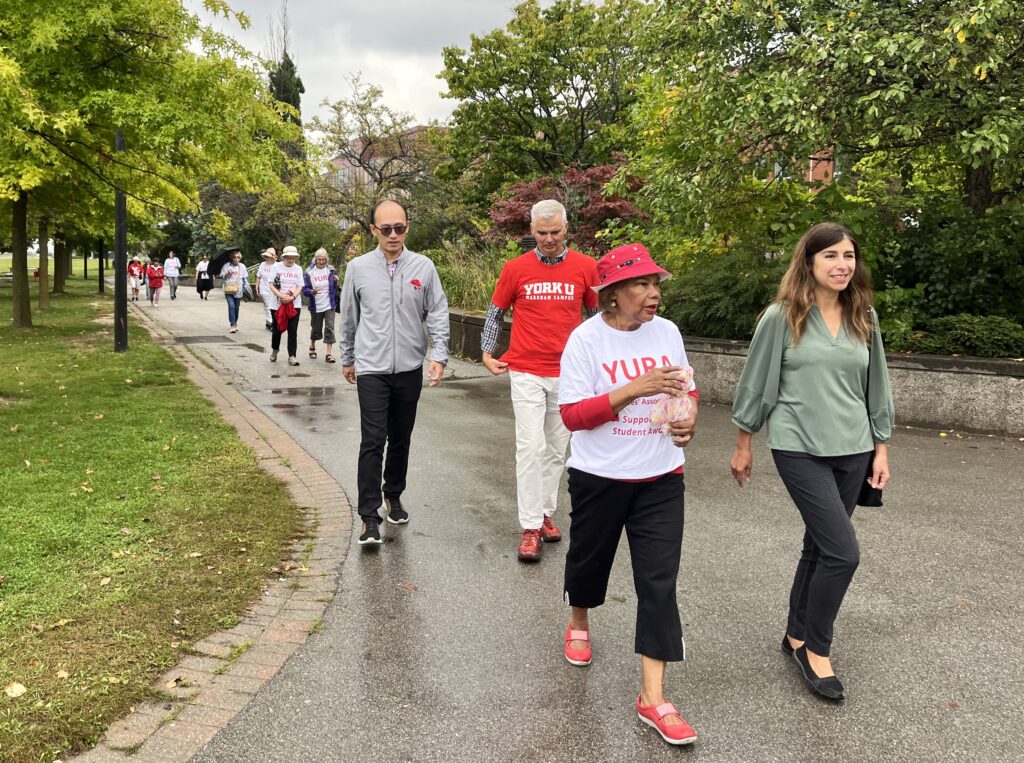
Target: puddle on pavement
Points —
{"points": [[285, 406], [254, 347]]}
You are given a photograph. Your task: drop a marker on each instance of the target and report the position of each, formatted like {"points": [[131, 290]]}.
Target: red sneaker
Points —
{"points": [[580, 657], [655, 715], [548, 532], [529, 547]]}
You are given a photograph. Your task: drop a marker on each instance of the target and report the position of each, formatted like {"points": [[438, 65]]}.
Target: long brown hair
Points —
{"points": [[796, 292]]}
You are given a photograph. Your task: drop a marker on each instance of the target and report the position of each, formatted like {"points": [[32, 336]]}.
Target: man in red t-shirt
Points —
{"points": [[548, 290]]}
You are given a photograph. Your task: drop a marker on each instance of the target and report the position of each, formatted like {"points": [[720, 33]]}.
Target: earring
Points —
{"points": [[614, 303]]}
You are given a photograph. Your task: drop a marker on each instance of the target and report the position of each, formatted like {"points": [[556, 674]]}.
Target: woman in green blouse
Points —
{"points": [[816, 373]]}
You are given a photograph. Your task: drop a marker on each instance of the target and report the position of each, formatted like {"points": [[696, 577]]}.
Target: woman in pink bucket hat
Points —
{"points": [[619, 369]]}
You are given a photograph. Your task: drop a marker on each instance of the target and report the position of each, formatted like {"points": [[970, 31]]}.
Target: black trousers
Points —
{"points": [[825, 492], [387, 414], [293, 334], [652, 515]]}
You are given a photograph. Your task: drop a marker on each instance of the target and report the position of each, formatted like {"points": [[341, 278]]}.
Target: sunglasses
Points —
{"points": [[623, 264], [386, 229]]}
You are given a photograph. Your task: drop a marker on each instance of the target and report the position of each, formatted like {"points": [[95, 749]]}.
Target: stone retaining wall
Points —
{"points": [[969, 394]]}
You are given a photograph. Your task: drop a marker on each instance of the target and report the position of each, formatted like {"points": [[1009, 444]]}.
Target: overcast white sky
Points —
{"points": [[395, 44]]}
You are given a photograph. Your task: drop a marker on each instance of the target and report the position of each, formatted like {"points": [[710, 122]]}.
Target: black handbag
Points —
{"points": [[869, 496]]}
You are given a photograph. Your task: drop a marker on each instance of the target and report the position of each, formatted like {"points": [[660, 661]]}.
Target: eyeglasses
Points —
{"points": [[386, 229], [623, 264]]}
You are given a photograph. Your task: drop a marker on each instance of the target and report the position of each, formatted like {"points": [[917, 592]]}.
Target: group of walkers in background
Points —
{"points": [[151, 274], [593, 367]]}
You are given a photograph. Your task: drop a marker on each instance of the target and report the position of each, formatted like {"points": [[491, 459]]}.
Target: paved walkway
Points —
{"points": [[441, 646]]}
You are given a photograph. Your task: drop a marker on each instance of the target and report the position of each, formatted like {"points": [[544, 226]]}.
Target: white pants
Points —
{"points": [[268, 313], [541, 438]]}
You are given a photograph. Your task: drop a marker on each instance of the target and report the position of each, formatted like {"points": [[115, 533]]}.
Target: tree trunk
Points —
{"points": [[978, 194], [22, 317], [59, 274], [44, 265]]}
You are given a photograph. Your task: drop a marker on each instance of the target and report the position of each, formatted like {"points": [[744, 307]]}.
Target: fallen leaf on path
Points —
{"points": [[14, 690], [965, 602], [61, 623], [194, 555], [36, 627], [105, 581], [952, 705], [167, 447], [155, 477], [409, 586], [63, 674], [98, 416], [14, 429]]}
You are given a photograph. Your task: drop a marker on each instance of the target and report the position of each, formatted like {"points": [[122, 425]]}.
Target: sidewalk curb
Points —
{"points": [[226, 670]]}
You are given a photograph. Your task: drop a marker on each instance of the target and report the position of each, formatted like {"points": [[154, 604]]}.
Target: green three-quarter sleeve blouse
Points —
{"points": [[827, 396]]}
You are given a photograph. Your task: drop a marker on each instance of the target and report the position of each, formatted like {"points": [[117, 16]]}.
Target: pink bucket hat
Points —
{"points": [[627, 261]]}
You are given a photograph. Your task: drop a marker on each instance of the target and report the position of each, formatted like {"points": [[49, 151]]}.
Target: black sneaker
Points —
{"points": [[396, 514], [371, 534]]}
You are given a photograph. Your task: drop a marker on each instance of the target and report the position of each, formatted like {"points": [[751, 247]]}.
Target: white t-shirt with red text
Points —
{"points": [[320, 280], [598, 359], [265, 277], [291, 281]]}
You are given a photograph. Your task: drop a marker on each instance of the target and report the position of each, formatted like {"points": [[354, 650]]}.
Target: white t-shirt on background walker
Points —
{"points": [[291, 280], [598, 359], [320, 279], [264, 277], [172, 267]]}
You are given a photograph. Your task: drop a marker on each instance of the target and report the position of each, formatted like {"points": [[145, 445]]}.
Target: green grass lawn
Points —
{"points": [[132, 522]]}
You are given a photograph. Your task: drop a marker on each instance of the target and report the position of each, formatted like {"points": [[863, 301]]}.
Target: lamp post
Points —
{"points": [[120, 262]]}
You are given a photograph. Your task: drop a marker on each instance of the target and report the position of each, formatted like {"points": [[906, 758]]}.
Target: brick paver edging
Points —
{"points": [[211, 686]]}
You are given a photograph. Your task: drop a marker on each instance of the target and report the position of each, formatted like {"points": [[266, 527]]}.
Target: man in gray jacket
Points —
{"points": [[386, 297]]}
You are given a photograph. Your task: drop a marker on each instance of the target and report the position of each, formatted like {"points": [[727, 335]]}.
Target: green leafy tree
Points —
{"points": [[909, 112], [549, 90], [371, 152], [73, 72]]}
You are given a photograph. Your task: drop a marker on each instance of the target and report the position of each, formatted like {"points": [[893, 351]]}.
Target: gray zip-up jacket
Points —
{"points": [[382, 316]]}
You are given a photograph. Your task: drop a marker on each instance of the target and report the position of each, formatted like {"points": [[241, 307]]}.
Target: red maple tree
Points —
{"points": [[582, 193]]}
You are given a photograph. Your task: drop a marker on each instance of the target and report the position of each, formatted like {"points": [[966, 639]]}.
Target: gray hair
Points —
{"points": [[320, 251], [548, 209]]}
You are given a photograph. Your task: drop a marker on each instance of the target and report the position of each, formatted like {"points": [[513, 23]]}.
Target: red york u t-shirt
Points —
{"points": [[547, 304]]}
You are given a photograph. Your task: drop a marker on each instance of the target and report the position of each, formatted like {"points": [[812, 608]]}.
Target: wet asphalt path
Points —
{"points": [[441, 646]]}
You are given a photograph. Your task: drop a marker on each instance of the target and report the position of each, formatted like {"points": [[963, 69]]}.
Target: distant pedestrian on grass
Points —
{"points": [[172, 269], [264, 277], [816, 374], [135, 277], [625, 472], [321, 290], [204, 279], [155, 280], [387, 296], [234, 274], [286, 290], [548, 290]]}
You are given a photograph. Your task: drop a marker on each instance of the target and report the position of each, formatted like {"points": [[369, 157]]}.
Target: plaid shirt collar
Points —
{"points": [[551, 260]]}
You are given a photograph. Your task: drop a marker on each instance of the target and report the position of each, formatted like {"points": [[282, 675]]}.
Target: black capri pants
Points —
{"points": [[293, 333], [825, 491], [652, 515]]}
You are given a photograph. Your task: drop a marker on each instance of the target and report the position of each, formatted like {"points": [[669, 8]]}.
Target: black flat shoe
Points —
{"points": [[829, 687], [787, 648]]}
